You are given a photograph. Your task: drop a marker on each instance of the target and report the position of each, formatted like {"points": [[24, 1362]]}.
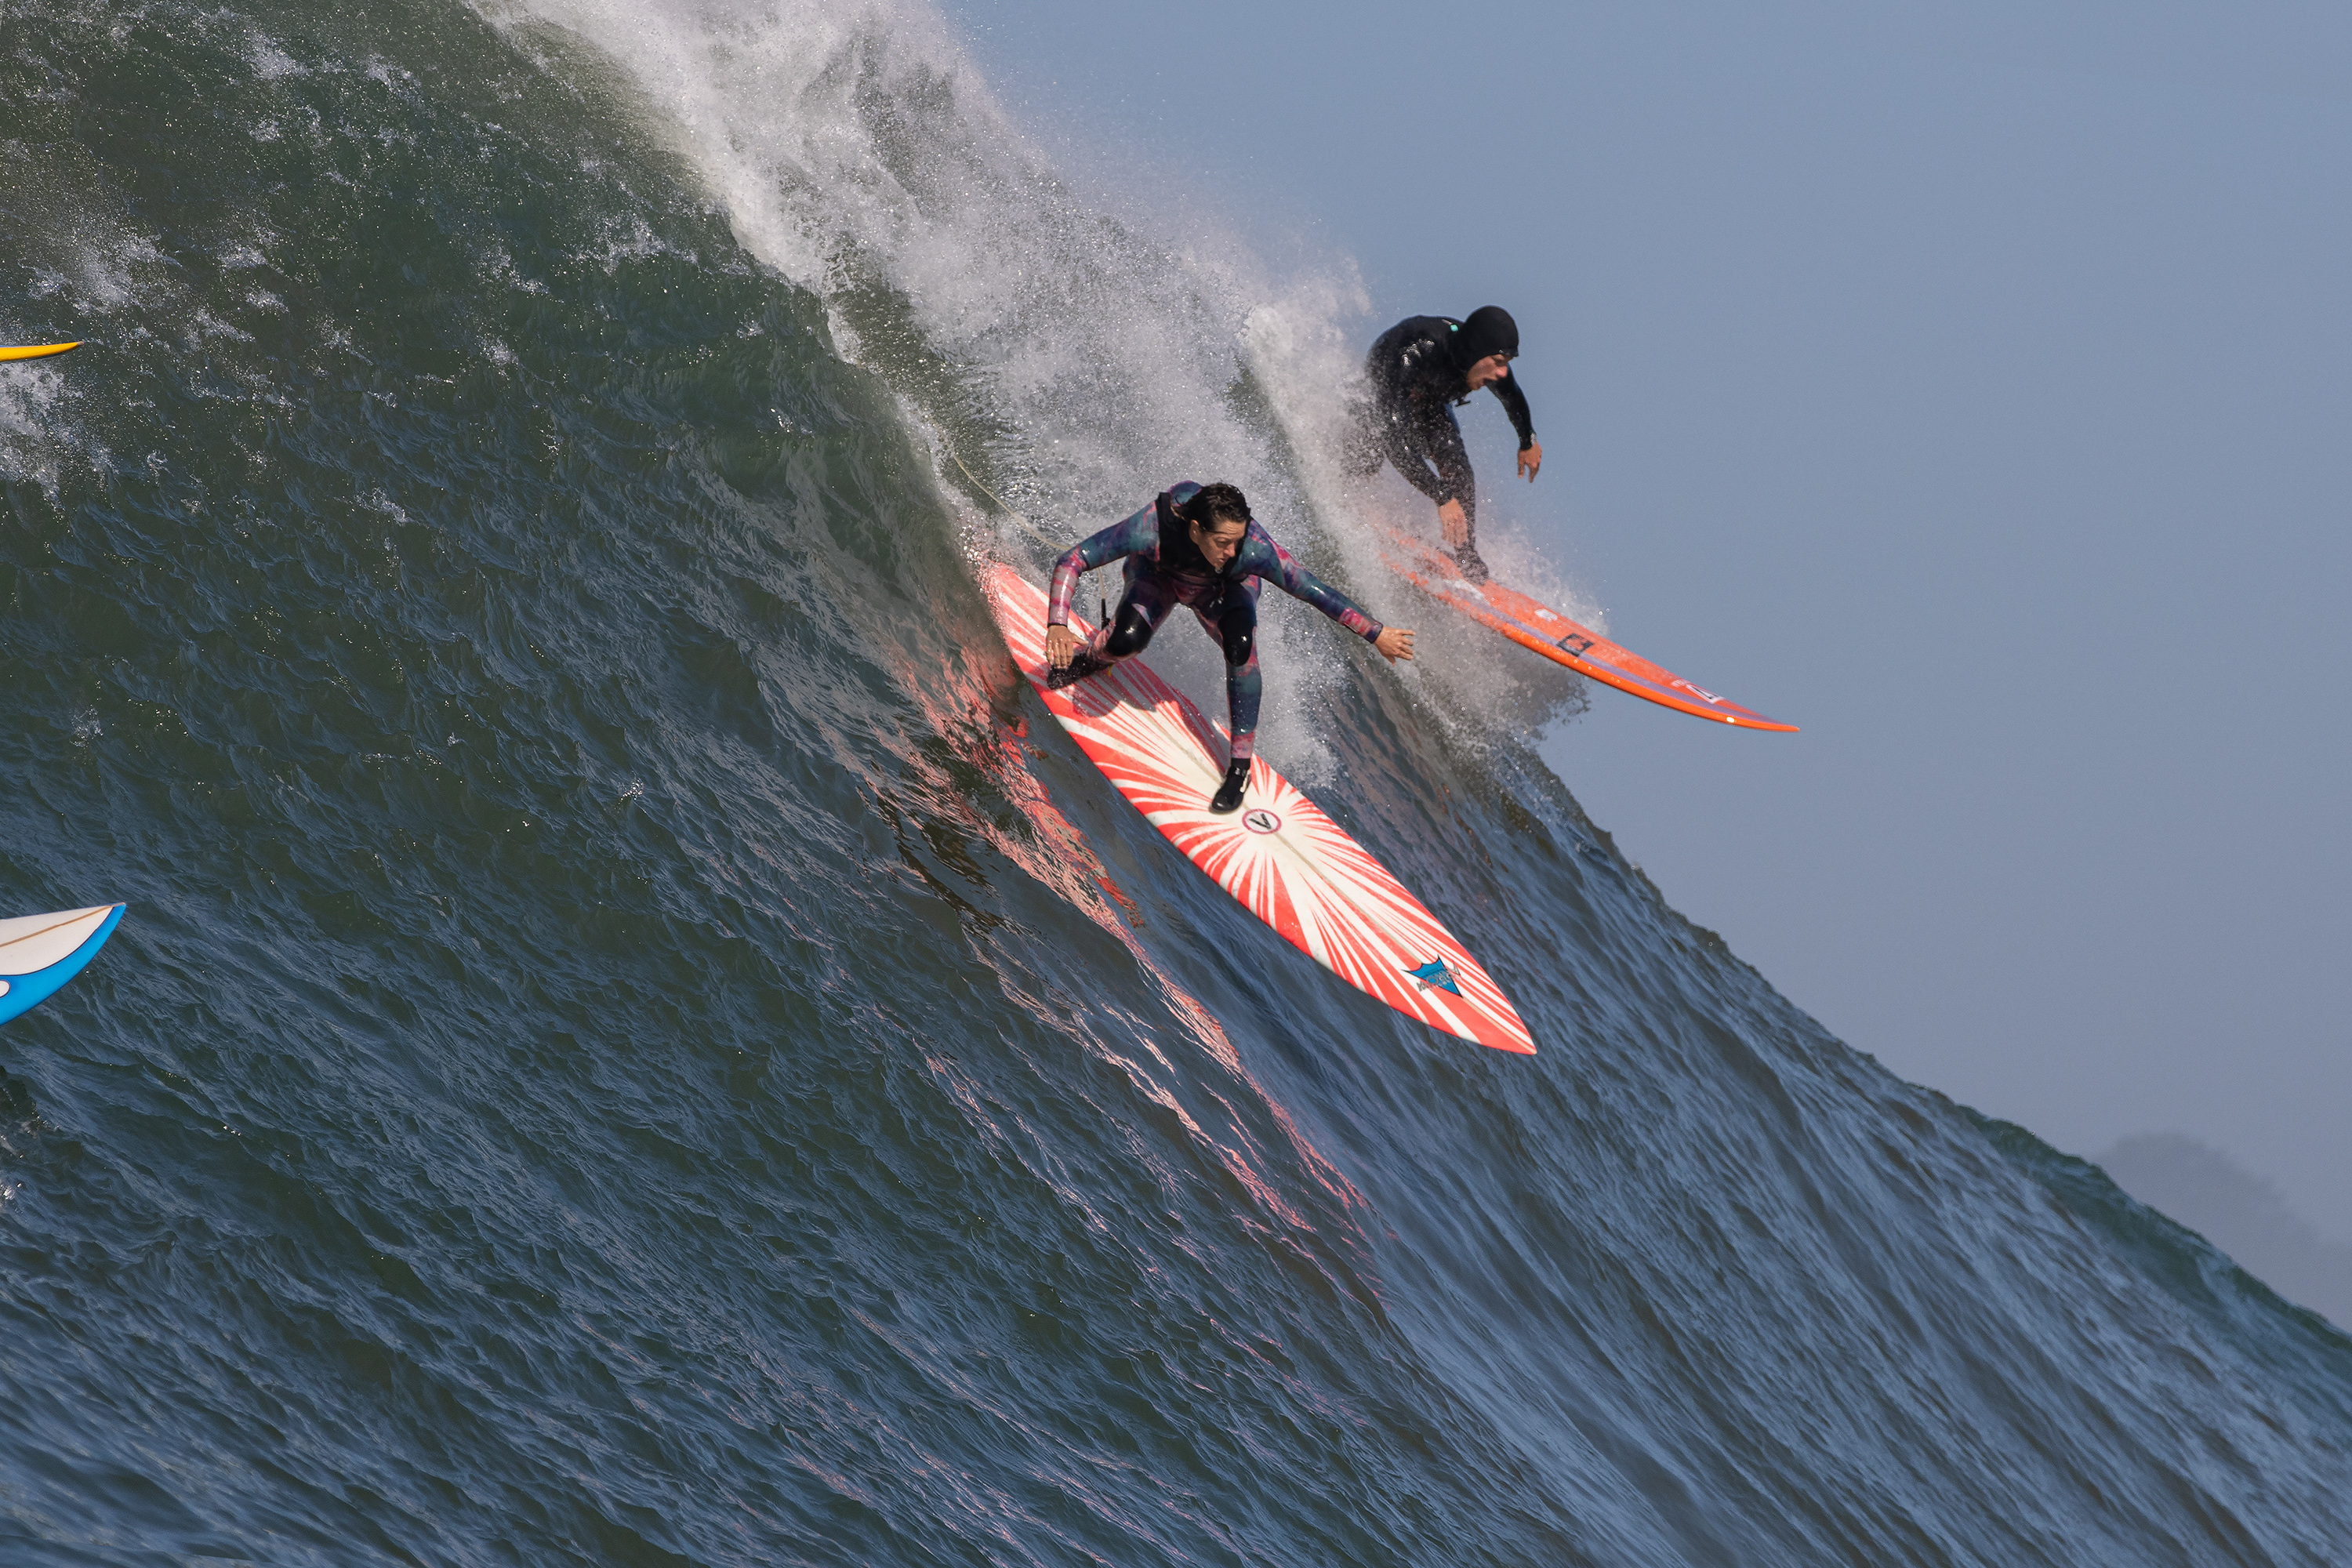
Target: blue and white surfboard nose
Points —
{"points": [[40, 952]]}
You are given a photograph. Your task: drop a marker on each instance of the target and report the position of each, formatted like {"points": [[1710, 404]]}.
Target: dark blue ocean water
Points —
{"points": [[637, 1043]]}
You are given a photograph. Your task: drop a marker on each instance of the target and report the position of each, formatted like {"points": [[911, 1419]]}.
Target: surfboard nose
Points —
{"points": [[39, 953]]}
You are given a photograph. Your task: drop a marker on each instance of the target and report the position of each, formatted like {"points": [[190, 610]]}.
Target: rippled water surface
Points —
{"points": [[638, 1042]]}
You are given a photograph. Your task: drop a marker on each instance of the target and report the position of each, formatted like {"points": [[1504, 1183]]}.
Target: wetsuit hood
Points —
{"points": [[1489, 331]]}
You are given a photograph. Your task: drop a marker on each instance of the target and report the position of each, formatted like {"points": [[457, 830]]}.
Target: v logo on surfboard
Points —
{"points": [[1534, 625], [1290, 864]]}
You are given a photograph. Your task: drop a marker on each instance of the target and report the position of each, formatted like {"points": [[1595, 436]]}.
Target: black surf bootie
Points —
{"points": [[1082, 663], [1228, 798], [1473, 565]]}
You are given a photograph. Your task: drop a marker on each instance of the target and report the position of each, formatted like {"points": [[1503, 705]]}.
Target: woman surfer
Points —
{"points": [[1196, 545]]}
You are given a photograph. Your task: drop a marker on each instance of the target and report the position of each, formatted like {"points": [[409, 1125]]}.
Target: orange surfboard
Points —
{"points": [[38, 350], [1534, 625]]}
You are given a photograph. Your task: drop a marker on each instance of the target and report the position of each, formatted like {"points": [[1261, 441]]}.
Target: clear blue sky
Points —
{"points": [[1971, 384]]}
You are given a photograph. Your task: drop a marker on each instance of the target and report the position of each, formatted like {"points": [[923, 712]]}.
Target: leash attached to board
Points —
{"points": [[1027, 527]]}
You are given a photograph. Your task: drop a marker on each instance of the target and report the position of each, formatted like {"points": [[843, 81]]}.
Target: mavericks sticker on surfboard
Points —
{"points": [[1534, 625], [1289, 863]]}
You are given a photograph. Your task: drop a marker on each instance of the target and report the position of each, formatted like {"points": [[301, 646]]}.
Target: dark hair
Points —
{"points": [[1215, 503]]}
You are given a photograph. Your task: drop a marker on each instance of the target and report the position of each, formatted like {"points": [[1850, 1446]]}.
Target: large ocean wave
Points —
{"points": [[637, 1041]]}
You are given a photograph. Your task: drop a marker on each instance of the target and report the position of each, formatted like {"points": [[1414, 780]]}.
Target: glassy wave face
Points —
{"points": [[635, 1040]]}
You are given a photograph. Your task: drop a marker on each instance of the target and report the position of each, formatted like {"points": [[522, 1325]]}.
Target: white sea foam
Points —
{"points": [[1097, 342], [29, 400], [269, 61]]}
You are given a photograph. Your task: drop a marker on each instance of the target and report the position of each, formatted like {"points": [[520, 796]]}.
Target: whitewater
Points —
{"points": [[637, 1041]]}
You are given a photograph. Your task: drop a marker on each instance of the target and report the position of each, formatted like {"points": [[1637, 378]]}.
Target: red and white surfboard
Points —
{"points": [[1289, 863]]}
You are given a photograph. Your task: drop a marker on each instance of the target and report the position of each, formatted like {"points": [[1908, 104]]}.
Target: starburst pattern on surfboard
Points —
{"points": [[1289, 863]]}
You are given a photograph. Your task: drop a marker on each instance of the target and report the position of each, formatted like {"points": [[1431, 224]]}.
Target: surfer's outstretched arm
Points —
{"points": [[1271, 562], [1123, 538], [1506, 388]]}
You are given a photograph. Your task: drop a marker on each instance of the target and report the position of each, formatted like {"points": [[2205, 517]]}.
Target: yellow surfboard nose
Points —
{"points": [[38, 350]]}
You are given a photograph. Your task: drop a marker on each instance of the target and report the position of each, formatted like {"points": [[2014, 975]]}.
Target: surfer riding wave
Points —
{"points": [[1415, 372], [1196, 545]]}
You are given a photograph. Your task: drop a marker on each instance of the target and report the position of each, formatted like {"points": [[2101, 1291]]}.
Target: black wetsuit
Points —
{"points": [[1417, 373]]}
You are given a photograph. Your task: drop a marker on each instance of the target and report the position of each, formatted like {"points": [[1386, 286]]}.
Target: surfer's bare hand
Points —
{"points": [[1455, 522], [1530, 459], [1061, 647], [1393, 643]]}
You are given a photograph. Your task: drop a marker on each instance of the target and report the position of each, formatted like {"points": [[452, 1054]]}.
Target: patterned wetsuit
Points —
{"points": [[1165, 569]]}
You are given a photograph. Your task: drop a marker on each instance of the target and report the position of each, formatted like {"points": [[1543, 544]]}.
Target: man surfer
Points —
{"points": [[1196, 545], [1419, 368]]}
